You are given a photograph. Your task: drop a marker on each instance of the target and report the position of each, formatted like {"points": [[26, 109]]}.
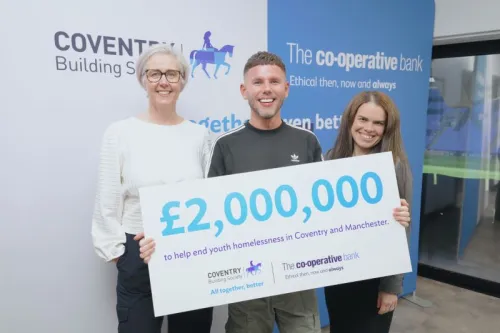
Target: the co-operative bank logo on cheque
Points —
{"points": [[209, 54], [328, 264]]}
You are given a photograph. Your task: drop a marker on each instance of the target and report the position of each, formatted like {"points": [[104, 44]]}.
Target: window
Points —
{"points": [[460, 218]]}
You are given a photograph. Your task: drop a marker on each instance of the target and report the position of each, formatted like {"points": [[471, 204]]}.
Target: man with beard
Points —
{"points": [[266, 142]]}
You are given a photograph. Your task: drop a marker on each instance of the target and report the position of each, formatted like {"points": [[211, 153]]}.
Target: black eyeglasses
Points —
{"points": [[154, 75]]}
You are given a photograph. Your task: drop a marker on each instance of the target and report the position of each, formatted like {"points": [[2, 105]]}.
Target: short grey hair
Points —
{"points": [[182, 63]]}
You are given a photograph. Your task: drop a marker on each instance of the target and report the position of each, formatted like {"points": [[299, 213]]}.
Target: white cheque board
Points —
{"points": [[239, 237]]}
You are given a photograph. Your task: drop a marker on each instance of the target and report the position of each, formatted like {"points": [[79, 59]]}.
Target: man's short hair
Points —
{"points": [[264, 58]]}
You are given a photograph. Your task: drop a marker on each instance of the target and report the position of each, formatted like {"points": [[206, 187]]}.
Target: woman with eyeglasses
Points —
{"points": [[155, 147]]}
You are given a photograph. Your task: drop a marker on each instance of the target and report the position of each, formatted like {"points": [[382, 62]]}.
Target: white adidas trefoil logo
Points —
{"points": [[295, 158]]}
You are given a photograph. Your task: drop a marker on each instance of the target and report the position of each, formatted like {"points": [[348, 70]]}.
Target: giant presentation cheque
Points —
{"points": [[239, 237]]}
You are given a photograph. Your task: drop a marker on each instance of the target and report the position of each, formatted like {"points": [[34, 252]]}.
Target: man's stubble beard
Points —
{"points": [[262, 114]]}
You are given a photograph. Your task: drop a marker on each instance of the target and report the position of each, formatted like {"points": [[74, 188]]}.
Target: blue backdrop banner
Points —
{"points": [[335, 49]]}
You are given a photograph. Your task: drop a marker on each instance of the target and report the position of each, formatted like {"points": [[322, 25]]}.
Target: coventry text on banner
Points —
{"points": [[233, 238]]}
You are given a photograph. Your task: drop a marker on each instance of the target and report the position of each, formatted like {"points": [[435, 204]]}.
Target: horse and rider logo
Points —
{"points": [[209, 54], [254, 269]]}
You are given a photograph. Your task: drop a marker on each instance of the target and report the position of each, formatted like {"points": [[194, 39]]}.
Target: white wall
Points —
{"points": [[466, 20], [51, 125]]}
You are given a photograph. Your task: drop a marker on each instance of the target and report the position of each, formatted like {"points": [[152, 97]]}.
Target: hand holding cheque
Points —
{"points": [[239, 237]]}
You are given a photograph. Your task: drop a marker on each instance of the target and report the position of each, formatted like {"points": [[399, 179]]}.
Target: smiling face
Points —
{"points": [[265, 88], [368, 127], [162, 80]]}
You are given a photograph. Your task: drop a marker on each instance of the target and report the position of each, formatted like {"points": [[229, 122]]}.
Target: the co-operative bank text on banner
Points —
{"points": [[233, 238]]}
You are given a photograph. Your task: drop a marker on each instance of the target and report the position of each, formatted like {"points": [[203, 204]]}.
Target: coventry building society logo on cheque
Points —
{"points": [[231, 277], [232, 274]]}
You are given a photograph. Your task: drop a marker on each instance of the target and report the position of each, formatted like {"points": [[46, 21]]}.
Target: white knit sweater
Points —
{"points": [[135, 153]]}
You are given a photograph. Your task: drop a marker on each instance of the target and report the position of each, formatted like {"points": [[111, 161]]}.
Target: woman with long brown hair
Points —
{"points": [[370, 124]]}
